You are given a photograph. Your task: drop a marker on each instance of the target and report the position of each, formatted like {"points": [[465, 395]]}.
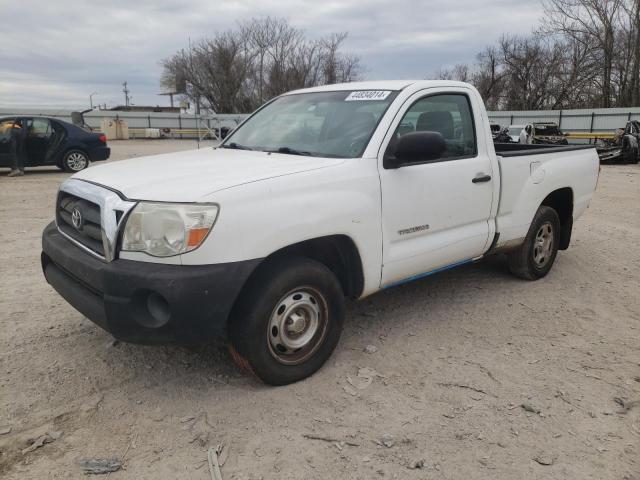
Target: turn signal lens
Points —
{"points": [[103, 138], [196, 236]]}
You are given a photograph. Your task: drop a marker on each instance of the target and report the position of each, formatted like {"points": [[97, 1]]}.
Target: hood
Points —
{"points": [[188, 176]]}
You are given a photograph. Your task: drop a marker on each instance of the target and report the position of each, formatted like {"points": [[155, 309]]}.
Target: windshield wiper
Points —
{"points": [[236, 146], [292, 151]]}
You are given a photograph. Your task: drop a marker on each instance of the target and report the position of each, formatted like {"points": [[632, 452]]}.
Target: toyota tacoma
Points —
{"points": [[320, 195]]}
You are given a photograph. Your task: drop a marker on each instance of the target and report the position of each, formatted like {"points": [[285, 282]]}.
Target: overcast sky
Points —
{"points": [[55, 53]]}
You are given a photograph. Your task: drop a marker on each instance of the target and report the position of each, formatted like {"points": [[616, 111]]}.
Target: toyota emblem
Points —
{"points": [[76, 218]]}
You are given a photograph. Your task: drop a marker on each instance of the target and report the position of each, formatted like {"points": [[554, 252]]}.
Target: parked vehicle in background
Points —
{"points": [[324, 193], [503, 136], [609, 153], [630, 141], [514, 132], [624, 147], [54, 142], [222, 132], [544, 133]]}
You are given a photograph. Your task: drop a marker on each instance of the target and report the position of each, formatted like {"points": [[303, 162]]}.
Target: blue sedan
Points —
{"points": [[51, 141]]}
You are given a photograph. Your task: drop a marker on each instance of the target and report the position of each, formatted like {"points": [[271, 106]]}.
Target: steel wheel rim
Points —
{"points": [[543, 245], [76, 161], [297, 326]]}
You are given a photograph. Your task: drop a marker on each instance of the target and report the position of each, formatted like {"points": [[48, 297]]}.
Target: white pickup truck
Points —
{"points": [[322, 194]]}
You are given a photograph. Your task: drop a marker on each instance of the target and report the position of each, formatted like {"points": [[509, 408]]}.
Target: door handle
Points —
{"points": [[481, 178]]}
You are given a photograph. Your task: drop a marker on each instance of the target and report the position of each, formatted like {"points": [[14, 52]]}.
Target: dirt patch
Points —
{"points": [[476, 374]]}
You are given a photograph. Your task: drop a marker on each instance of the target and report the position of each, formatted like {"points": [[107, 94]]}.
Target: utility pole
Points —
{"points": [[126, 94]]}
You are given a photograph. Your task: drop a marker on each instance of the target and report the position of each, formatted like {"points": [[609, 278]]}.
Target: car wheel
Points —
{"points": [[75, 161], [287, 321], [536, 255], [628, 153]]}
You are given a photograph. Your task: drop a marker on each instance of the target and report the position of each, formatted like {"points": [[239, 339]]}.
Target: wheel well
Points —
{"points": [[561, 201], [338, 253]]}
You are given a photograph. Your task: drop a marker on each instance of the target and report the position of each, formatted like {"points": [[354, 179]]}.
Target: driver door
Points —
{"points": [[436, 213]]}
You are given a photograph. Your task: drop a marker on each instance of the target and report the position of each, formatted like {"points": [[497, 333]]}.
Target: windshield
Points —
{"points": [[323, 124], [547, 130], [515, 130]]}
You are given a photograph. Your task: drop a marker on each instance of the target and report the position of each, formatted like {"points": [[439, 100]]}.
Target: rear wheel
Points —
{"points": [[287, 321], [631, 155], [75, 161], [536, 255]]}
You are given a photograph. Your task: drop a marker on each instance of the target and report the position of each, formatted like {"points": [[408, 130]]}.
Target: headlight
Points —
{"points": [[164, 229]]}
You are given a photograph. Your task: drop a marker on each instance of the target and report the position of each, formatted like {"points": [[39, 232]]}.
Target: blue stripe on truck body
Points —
{"points": [[426, 274]]}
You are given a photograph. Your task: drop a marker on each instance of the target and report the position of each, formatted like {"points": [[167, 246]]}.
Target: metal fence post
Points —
{"points": [[149, 120], [593, 114], [560, 120], [180, 124]]}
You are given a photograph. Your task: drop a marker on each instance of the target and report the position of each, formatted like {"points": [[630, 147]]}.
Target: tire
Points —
{"points": [[536, 255], [632, 156], [75, 161], [287, 321]]}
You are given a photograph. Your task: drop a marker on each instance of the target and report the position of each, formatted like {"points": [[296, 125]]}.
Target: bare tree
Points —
{"points": [[488, 77], [236, 71], [588, 21], [587, 54], [629, 53]]}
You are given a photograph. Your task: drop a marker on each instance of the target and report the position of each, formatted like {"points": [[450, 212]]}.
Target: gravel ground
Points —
{"points": [[474, 374]]}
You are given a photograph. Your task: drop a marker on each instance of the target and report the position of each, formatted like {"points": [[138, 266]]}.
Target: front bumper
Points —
{"points": [[147, 303]]}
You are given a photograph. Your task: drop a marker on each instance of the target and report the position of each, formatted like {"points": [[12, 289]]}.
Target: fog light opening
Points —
{"points": [[158, 309]]}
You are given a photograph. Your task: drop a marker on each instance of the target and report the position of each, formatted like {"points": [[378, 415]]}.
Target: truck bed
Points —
{"points": [[519, 149], [528, 173]]}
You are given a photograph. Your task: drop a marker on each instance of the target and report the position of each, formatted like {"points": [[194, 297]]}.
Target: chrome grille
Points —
{"points": [[90, 216], [87, 215]]}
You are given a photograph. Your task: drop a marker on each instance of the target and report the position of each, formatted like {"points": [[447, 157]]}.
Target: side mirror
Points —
{"points": [[416, 147]]}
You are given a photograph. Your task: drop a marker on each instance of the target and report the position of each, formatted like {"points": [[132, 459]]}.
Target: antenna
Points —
{"points": [[126, 94]]}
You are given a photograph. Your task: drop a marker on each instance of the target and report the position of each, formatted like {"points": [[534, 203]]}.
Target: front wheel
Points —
{"points": [[75, 161], [536, 255], [287, 321]]}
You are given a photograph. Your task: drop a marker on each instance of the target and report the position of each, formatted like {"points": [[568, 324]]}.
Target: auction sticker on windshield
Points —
{"points": [[367, 95]]}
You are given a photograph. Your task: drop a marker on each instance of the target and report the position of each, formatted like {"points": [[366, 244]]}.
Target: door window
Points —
{"points": [[448, 114], [40, 128]]}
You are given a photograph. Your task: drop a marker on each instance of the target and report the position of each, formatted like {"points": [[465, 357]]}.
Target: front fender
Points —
{"points": [[260, 218]]}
